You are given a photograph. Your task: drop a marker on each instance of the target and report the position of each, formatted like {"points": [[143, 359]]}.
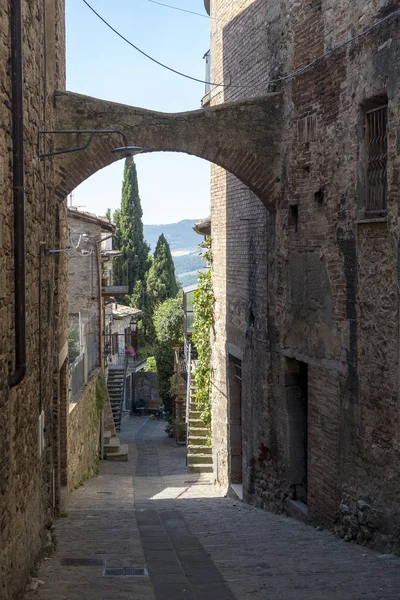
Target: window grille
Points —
{"points": [[376, 159]]}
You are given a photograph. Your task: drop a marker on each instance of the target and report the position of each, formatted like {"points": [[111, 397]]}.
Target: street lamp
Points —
{"points": [[133, 323]]}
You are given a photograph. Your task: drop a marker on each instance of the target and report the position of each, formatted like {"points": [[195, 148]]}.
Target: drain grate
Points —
{"points": [[127, 572], [83, 562]]}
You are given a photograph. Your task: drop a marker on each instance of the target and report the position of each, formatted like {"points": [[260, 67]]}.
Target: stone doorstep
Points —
{"points": [[237, 489], [113, 445], [202, 459], [298, 510], [199, 449], [200, 469], [121, 455]]}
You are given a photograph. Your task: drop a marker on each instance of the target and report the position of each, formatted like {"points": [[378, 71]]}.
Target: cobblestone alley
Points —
{"points": [[196, 545]]}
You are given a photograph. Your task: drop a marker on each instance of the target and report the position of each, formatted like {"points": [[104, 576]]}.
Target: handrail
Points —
{"points": [[123, 393]]}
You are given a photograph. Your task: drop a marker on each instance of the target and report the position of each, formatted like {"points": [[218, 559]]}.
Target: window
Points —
{"points": [[376, 160]]}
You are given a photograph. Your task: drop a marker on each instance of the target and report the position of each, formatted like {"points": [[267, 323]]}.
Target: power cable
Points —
{"points": [[191, 12], [295, 73], [147, 55]]}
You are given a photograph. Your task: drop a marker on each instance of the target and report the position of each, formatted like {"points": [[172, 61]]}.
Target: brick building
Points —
{"points": [[306, 349]]}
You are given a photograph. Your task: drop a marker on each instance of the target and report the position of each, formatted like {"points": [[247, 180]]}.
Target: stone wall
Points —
{"points": [[83, 283], [313, 282], [84, 434], [30, 481], [144, 389]]}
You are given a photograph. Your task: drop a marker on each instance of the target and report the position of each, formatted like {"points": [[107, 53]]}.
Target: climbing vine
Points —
{"points": [[203, 309], [101, 392]]}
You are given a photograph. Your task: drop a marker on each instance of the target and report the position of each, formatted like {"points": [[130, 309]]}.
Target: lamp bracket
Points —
{"points": [[91, 133]]}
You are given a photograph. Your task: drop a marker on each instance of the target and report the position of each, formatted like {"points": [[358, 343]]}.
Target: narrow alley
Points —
{"points": [[189, 543]]}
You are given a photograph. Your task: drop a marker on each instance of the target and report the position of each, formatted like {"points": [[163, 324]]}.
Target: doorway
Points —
{"points": [[296, 382], [235, 420]]}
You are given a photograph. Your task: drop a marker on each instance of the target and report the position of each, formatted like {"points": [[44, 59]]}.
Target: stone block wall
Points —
{"points": [[30, 481], [312, 282], [84, 435]]}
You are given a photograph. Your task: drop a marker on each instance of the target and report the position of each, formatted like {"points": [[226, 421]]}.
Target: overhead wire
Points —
{"points": [[281, 79], [185, 10]]}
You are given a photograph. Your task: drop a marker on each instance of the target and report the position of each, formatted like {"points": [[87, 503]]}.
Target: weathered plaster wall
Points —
{"points": [[323, 290], [27, 492], [84, 435]]}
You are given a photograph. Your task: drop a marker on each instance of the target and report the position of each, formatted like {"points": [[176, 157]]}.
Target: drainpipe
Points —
{"points": [[18, 192]]}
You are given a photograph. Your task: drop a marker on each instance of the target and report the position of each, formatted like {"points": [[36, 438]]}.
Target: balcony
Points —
{"points": [[114, 290]]}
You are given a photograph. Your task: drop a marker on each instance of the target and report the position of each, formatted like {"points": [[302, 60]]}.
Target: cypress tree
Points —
{"points": [[134, 249], [161, 280]]}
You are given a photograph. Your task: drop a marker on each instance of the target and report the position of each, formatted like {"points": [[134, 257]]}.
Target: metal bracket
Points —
{"points": [[126, 150]]}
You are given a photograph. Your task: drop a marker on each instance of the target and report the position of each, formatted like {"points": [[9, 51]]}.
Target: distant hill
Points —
{"points": [[184, 244], [180, 236]]}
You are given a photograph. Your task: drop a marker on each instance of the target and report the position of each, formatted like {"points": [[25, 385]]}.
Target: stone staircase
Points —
{"points": [[113, 449], [199, 457], [115, 385]]}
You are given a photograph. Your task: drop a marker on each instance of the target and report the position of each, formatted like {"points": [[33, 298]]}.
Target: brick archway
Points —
{"points": [[243, 137]]}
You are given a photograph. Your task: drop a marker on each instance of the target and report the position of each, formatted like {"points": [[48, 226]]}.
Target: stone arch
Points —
{"points": [[242, 137]]}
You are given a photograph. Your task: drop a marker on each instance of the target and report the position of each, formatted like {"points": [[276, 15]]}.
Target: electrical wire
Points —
{"points": [[191, 12], [284, 78], [145, 54]]}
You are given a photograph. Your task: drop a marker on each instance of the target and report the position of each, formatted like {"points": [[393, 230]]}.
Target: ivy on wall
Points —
{"points": [[101, 392], [203, 309]]}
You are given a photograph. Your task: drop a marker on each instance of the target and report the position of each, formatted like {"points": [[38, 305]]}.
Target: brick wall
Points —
{"points": [[310, 282], [26, 479]]}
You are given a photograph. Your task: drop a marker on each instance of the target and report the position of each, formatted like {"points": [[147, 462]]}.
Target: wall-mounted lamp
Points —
{"points": [[133, 323], [125, 150]]}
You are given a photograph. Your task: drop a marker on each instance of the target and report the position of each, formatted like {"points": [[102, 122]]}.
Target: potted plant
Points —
{"points": [[179, 431]]}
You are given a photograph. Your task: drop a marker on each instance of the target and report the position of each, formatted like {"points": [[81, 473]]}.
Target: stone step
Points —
{"points": [[199, 459], [199, 449], [107, 435], [200, 469], [195, 422], [198, 431], [121, 455], [195, 440], [194, 414], [112, 446]]}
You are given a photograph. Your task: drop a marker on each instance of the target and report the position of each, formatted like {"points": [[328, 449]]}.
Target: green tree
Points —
{"points": [[168, 322], [164, 356], [117, 239], [135, 250], [161, 281], [108, 214]]}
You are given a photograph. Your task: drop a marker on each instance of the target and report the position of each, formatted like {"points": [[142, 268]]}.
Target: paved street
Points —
{"points": [[196, 545]]}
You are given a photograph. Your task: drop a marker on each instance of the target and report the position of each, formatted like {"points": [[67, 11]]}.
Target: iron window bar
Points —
{"points": [[376, 159], [126, 149]]}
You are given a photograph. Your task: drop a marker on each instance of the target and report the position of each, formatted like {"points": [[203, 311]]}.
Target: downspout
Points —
{"points": [[18, 192]]}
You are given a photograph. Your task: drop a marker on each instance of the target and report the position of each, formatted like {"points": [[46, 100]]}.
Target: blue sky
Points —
{"points": [[172, 186]]}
